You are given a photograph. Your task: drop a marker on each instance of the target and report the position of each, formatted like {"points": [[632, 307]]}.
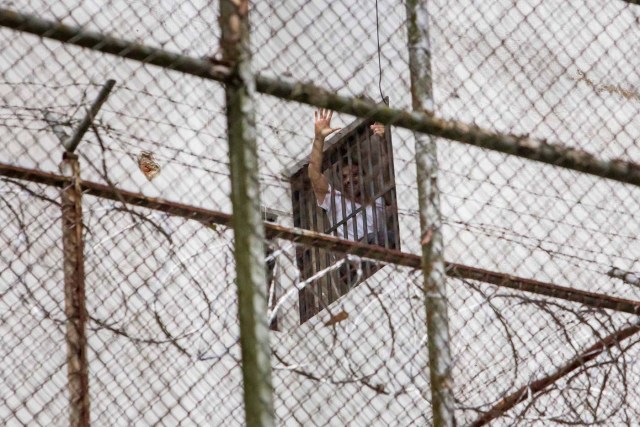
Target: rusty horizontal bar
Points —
{"points": [[310, 238], [107, 192], [518, 283], [520, 146]]}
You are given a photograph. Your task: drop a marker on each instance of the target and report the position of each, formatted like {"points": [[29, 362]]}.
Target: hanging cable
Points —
{"points": [[379, 57]]}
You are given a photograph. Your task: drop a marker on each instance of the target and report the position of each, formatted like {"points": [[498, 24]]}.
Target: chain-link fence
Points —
{"points": [[154, 229]]}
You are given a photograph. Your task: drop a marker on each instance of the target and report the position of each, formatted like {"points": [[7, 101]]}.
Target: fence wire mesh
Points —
{"points": [[543, 279]]}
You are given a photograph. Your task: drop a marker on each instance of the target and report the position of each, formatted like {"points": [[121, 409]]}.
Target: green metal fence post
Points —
{"points": [[247, 217], [433, 266]]}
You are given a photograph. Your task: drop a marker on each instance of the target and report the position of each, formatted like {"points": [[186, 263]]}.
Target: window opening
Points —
{"points": [[359, 167]]}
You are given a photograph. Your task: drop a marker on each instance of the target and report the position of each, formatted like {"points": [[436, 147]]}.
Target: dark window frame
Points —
{"points": [[354, 143]]}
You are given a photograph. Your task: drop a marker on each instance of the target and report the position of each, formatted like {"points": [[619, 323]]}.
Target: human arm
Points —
{"points": [[322, 128]]}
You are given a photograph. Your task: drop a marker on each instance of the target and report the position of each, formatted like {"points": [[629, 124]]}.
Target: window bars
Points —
{"points": [[362, 207]]}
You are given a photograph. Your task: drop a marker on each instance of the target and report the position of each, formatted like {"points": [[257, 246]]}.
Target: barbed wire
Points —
{"points": [[163, 330]]}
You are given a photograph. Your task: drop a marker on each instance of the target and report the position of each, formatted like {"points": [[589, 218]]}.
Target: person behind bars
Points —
{"points": [[359, 209]]}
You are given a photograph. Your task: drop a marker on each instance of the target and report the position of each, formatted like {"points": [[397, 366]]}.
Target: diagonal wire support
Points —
{"points": [[70, 144]]}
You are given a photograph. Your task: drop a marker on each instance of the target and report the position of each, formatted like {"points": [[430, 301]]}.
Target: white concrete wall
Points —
{"points": [[491, 66]]}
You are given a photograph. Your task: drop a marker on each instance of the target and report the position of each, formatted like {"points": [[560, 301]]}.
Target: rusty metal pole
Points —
{"points": [[432, 261], [248, 229], [73, 265], [74, 293]]}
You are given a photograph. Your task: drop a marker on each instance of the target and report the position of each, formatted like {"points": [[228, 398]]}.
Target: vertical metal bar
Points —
{"points": [[343, 204], [74, 294], [354, 223], [363, 194], [374, 174], [392, 182], [342, 155], [296, 195], [335, 161], [320, 285], [364, 200], [312, 296], [440, 361], [247, 225]]}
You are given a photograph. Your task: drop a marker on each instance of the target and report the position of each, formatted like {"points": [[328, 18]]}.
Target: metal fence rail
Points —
{"points": [[158, 279]]}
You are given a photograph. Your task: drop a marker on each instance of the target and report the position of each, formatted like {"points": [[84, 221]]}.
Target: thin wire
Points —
{"points": [[379, 60]]}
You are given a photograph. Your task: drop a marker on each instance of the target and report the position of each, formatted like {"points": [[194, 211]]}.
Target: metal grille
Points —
{"points": [[356, 146], [154, 260]]}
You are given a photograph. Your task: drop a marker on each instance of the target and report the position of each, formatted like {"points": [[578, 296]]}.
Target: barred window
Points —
{"points": [[361, 205]]}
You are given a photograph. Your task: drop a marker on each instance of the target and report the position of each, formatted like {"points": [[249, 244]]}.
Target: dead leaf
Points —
{"points": [[148, 165], [343, 315]]}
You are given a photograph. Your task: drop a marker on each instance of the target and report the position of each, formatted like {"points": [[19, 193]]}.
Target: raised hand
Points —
{"points": [[378, 129], [322, 123]]}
